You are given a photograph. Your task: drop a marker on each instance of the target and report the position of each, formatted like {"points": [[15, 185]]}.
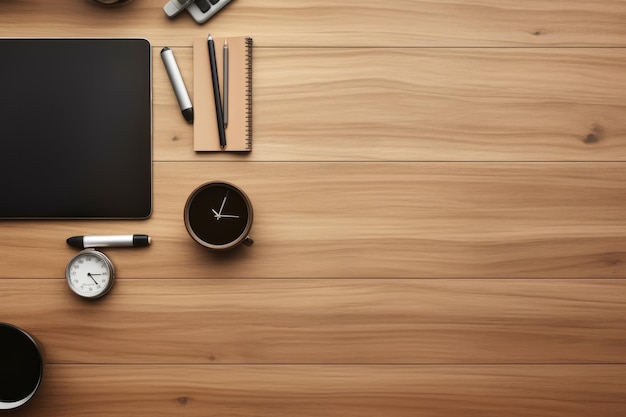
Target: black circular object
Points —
{"points": [[21, 366], [218, 215]]}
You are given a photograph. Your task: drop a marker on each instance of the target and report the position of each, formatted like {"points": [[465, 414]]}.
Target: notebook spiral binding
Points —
{"points": [[249, 93]]}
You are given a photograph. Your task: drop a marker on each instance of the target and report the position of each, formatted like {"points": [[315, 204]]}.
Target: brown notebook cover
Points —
{"points": [[239, 128]]}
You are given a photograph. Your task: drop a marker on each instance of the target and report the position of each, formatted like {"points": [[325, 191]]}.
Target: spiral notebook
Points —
{"points": [[239, 127]]}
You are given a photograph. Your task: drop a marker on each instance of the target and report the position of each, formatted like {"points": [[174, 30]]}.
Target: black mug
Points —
{"points": [[21, 366], [218, 215]]}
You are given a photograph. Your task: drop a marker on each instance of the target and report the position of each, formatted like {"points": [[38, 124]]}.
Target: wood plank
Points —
{"points": [[325, 321], [355, 220], [439, 199], [331, 23], [367, 104], [342, 391]]}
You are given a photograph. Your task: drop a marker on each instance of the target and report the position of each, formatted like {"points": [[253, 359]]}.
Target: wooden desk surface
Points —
{"points": [[439, 193]]}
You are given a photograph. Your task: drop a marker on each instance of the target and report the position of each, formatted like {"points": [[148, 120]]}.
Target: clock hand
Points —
{"points": [[232, 216], [90, 276], [218, 215], [223, 202]]}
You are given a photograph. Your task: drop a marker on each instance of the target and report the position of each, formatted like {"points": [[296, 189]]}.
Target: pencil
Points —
{"points": [[225, 83]]}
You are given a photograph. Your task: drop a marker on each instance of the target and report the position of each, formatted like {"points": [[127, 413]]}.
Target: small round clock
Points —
{"points": [[218, 215], [90, 273]]}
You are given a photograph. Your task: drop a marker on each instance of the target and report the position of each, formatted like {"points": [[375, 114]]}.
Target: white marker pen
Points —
{"points": [[177, 82], [107, 241]]}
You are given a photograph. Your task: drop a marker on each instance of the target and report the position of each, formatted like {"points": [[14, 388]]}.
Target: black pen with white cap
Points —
{"points": [[108, 241]]}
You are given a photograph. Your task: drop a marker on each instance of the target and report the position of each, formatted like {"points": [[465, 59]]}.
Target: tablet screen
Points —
{"points": [[75, 128]]}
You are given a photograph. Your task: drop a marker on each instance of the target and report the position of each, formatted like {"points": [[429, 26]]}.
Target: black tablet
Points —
{"points": [[75, 128]]}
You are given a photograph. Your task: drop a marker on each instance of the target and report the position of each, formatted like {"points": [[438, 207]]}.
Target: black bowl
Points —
{"points": [[21, 366]]}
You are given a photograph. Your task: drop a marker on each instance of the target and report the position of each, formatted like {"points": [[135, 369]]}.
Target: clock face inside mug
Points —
{"points": [[218, 215]]}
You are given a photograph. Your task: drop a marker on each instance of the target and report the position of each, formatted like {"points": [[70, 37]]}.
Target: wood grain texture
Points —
{"points": [[439, 221], [355, 220], [332, 23], [421, 104], [325, 321], [329, 391]]}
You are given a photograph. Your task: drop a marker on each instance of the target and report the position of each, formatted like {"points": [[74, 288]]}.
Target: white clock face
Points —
{"points": [[90, 274]]}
